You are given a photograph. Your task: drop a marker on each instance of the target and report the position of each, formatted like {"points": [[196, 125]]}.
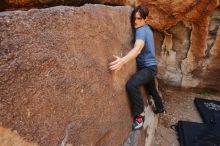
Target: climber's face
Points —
{"points": [[138, 20]]}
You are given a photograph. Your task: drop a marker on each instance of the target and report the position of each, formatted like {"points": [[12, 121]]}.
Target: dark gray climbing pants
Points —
{"points": [[143, 77]]}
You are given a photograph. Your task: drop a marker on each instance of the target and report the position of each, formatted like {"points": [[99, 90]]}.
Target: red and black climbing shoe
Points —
{"points": [[138, 122]]}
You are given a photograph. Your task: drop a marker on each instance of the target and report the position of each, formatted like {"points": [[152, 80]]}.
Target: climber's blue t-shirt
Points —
{"points": [[147, 56]]}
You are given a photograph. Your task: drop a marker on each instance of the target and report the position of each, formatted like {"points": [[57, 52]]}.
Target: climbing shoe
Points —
{"points": [[138, 122], [159, 110]]}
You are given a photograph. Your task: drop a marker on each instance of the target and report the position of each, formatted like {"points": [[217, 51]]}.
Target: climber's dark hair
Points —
{"points": [[143, 13]]}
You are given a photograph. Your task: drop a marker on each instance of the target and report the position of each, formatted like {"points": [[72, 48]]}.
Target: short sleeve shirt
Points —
{"points": [[147, 56]]}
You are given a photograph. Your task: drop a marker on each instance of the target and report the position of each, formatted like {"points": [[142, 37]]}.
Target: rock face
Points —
{"points": [[27, 4], [188, 44], [55, 85], [9, 138], [54, 77], [145, 136], [186, 32], [174, 49], [211, 70]]}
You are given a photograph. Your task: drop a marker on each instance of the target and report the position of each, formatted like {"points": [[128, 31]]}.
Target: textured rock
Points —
{"points": [[135, 138], [11, 138], [184, 56], [183, 46], [174, 49], [55, 85], [210, 73], [42, 62], [27, 4], [145, 136]]}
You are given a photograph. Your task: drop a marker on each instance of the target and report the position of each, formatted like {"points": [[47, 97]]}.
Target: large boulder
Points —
{"points": [[55, 84], [187, 43], [184, 53], [211, 69], [27, 4]]}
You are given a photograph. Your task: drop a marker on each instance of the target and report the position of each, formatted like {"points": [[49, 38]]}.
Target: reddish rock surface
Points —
{"points": [[183, 46], [28, 4], [185, 28], [55, 84], [54, 62], [11, 138], [210, 73]]}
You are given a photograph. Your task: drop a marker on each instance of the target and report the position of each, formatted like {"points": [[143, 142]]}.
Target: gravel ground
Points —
{"points": [[179, 106]]}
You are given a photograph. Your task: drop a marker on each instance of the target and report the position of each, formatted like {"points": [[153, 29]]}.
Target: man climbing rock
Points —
{"points": [[144, 53]]}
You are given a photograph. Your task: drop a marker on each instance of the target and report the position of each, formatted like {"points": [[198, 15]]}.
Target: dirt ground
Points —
{"points": [[179, 106]]}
